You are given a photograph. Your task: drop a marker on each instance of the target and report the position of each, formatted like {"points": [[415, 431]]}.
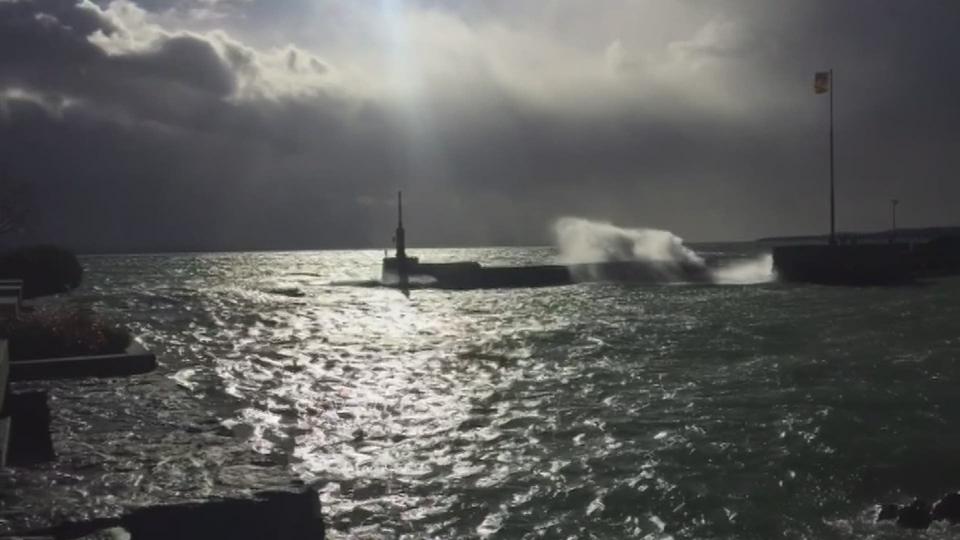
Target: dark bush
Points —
{"points": [[43, 269], [52, 333]]}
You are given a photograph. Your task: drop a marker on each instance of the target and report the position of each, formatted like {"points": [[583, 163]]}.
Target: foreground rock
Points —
{"points": [[267, 516], [887, 512], [947, 508], [919, 514], [62, 331], [916, 515]]}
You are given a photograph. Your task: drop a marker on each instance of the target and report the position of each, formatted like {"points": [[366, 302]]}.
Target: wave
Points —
{"points": [[600, 250]]}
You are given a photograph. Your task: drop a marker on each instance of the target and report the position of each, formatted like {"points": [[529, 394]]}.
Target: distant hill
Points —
{"points": [[917, 235]]}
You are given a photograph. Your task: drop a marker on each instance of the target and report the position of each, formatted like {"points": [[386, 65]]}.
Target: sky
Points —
{"points": [[147, 125]]}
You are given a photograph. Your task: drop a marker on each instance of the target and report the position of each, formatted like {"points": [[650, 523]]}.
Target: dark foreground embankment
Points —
{"points": [[265, 516]]}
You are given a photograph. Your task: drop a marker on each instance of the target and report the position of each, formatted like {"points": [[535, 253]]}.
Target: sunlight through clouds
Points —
{"points": [[499, 116]]}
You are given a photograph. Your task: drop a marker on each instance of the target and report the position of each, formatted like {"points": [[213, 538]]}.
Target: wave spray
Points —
{"points": [[658, 253]]}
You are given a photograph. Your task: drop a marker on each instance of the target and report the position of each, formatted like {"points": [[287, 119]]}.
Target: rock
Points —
{"points": [[887, 511], [915, 516], [947, 508], [291, 292]]}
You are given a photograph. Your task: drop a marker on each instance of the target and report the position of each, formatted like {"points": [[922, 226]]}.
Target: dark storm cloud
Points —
{"points": [[157, 149], [141, 134]]}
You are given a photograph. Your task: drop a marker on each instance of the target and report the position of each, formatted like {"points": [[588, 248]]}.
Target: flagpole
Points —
{"points": [[833, 232]]}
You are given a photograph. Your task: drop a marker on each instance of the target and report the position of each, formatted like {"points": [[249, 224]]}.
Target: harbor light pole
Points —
{"points": [[823, 83], [833, 213], [893, 218]]}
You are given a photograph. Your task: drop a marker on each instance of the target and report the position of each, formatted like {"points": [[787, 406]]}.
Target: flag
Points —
{"points": [[821, 82]]}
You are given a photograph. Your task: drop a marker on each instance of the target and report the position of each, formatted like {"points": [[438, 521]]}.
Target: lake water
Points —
{"points": [[588, 411]]}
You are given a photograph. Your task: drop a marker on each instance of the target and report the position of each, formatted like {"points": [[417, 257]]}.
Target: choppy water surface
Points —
{"points": [[599, 410]]}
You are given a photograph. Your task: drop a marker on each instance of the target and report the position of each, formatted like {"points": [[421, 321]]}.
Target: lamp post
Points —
{"points": [[893, 218]]}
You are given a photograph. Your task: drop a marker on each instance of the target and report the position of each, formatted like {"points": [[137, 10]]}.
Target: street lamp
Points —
{"points": [[893, 218]]}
